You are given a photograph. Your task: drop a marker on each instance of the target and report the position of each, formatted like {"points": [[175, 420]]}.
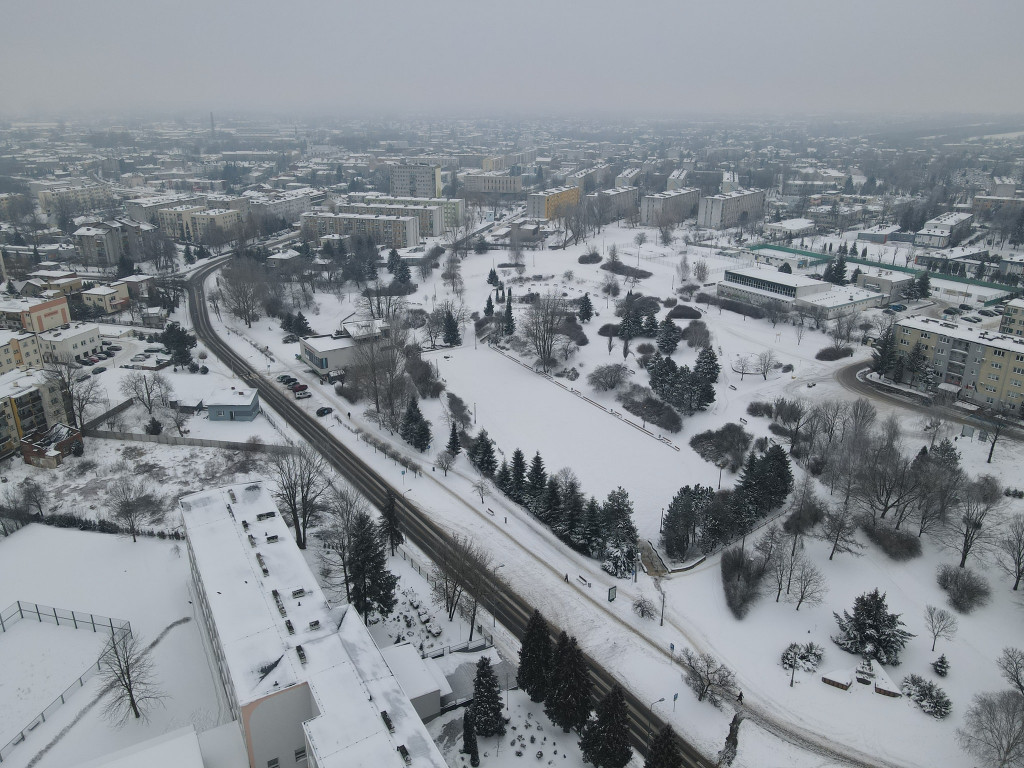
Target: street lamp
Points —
{"points": [[649, 718]]}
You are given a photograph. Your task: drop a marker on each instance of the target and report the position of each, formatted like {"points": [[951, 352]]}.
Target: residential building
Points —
{"points": [[945, 230], [984, 203], [1012, 321], [453, 208], [30, 402], [497, 183], [34, 314], [61, 280], [504, 162], [19, 350], [103, 243], [77, 199], [430, 218], [630, 177], [587, 178], [109, 299], [146, 208], [287, 205], [392, 231], [616, 203], [835, 216], [225, 221], [977, 366], [548, 204], [80, 341], [232, 404], [416, 180], [304, 681], [734, 209], [176, 221], [1003, 186], [674, 206]]}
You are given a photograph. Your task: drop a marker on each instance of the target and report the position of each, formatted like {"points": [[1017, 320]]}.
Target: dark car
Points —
{"points": [[98, 370], [951, 311], [296, 387], [986, 313], [282, 378], [966, 307], [898, 307], [82, 377], [289, 380], [113, 348], [324, 411]]}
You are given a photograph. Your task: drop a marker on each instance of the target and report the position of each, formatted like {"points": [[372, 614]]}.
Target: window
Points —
{"points": [[944, 339], [993, 377], [300, 755], [998, 353], [904, 342], [906, 331], [1017, 369], [273, 763], [1015, 382], [997, 366], [989, 389], [1019, 358]]}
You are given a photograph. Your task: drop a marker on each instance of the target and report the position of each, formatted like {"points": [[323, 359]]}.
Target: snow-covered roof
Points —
{"points": [[417, 676], [780, 278], [176, 749], [840, 297], [230, 396], [321, 345]]}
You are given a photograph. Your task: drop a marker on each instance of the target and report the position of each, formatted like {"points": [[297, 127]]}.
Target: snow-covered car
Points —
{"points": [[303, 395]]}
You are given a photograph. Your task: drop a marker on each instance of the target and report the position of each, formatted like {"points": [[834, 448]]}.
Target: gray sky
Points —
{"points": [[463, 58]]}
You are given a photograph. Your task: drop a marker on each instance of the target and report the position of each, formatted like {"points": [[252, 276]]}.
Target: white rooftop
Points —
{"points": [[781, 278], [230, 396]]}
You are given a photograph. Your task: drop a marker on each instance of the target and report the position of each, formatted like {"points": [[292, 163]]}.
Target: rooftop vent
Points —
{"points": [[265, 515], [279, 601], [297, 593], [252, 541], [314, 624], [263, 564], [289, 627], [301, 653], [231, 495], [245, 525], [405, 754], [272, 538], [387, 720]]}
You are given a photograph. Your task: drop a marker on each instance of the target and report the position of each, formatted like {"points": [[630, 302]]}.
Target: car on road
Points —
{"points": [[302, 395], [324, 411], [986, 313], [898, 307], [98, 370]]}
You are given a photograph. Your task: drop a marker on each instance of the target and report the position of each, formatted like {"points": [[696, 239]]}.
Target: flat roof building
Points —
{"points": [[671, 207], [734, 209], [549, 203], [945, 230], [392, 231]]}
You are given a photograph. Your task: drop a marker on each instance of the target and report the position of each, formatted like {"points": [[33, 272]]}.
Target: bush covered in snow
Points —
{"points": [[618, 268], [929, 697], [590, 258], [898, 545], [641, 402], [833, 353], [966, 589], [805, 657], [741, 580], [759, 408], [683, 312], [728, 444]]}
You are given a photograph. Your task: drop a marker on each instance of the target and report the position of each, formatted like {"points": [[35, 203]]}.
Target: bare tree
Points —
{"points": [[243, 286], [940, 623], [743, 365], [178, 418], [994, 729], [975, 529], [707, 677], [445, 461], [700, 271], [302, 485], [433, 328], [1011, 667], [997, 421], [539, 325], [133, 505], [379, 373], [808, 584], [33, 495], [482, 487], [342, 507], [456, 559], [765, 362], [800, 329], [1010, 550], [150, 389], [780, 568], [127, 678], [839, 529]]}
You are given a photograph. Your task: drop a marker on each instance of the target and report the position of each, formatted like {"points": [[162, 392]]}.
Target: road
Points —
{"points": [[502, 602]]}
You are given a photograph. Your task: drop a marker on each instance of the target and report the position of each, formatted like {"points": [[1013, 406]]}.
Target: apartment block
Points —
{"points": [[104, 242], [452, 208], [30, 402], [416, 180], [493, 183], [88, 197], [615, 203], [978, 366], [34, 314], [504, 162], [629, 177], [146, 209], [392, 231], [288, 205], [80, 341], [430, 218], [108, 299], [945, 230], [733, 209], [1012, 321], [548, 204], [176, 221], [673, 206]]}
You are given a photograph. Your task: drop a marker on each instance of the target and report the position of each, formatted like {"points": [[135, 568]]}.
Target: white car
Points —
{"points": [[303, 395]]}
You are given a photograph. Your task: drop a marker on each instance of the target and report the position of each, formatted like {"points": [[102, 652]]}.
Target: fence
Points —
{"points": [[116, 410], [21, 611], [191, 441]]}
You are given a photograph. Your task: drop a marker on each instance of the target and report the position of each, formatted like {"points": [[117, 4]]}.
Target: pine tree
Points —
{"points": [[872, 631], [777, 476], [371, 584], [567, 703], [650, 327], [422, 437], [509, 326], [410, 422], [828, 274], [536, 479], [486, 707], [630, 327], [483, 457], [517, 477], [450, 335], [707, 368], [489, 307], [393, 261], [301, 327], [885, 354], [503, 477], [389, 524], [924, 284], [454, 446], [856, 274], [402, 273], [620, 533], [569, 526], [663, 752], [899, 369], [492, 278], [941, 666], [586, 310], [593, 528], [535, 658], [550, 501], [669, 336], [469, 745], [605, 739], [839, 270]]}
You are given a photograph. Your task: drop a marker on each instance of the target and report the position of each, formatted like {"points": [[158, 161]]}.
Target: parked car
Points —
{"points": [[87, 361], [986, 313], [324, 411], [898, 307], [999, 310], [966, 307], [82, 377], [114, 348], [951, 311], [291, 338], [98, 370], [282, 377], [138, 358], [296, 387], [968, 319], [302, 395], [888, 311], [289, 380], [154, 349]]}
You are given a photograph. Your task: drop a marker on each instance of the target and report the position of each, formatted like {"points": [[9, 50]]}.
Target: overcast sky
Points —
{"points": [[480, 57]]}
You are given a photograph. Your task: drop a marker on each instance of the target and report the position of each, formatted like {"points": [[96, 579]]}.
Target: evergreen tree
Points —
{"points": [[941, 666], [469, 745], [411, 422], [605, 739], [300, 327], [899, 369], [371, 584], [486, 707], [454, 446], [569, 526], [536, 479], [586, 310], [422, 437], [776, 477], [885, 354], [650, 327], [924, 284], [669, 336], [503, 477], [492, 278], [402, 273], [828, 275], [707, 368], [189, 256], [872, 631], [450, 334], [549, 504], [288, 322], [620, 532], [855, 275], [393, 261], [785, 268], [535, 658], [916, 362], [483, 457], [517, 477], [630, 327], [509, 326], [125, 267], [839, 270], [489, 307], [389, 525], [593, 528], [683, 517], [663, 752], [567, 703]]}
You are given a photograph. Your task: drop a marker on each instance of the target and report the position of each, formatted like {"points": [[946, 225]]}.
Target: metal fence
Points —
{"points": [[191, 441], [62, 617]]}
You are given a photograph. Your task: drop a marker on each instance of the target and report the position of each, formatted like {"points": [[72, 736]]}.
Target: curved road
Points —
{"points": [[502, 601]]}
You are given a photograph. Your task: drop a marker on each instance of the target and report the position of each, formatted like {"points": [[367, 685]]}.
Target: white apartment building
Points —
{"points": [[416, 180], [629, 177], [579, 178], [504, 162], [615, 203], [79, 341], [493, 183], [146, 208], [392, 231], [305, 682], [674, 206], [88, 197], [944, 230], [733, 209], [288, 205], [677, 179], [453, 208], [429, 217]]}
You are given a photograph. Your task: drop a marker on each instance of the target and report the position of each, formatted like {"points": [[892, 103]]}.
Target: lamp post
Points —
{"points": [[649, 718]]}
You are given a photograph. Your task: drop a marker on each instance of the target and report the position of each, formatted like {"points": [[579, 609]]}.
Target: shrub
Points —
{"points": [[705, 298], [78, 448], [929, 697], [965, 589], [760, 408], [644, 608], [941, 666], [203, 370], [741, 578], [831, 353], [571, 328], [779, 430], [806, 657], [645, 349], [683, 312], [898, 545], [590, 258], [787, 368], [606, 377], [609, 329], [638, 304], [642, 403], [154, 427], [350, 393], [618, 268], [671, 301], [730, 442], [742, 308]]}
